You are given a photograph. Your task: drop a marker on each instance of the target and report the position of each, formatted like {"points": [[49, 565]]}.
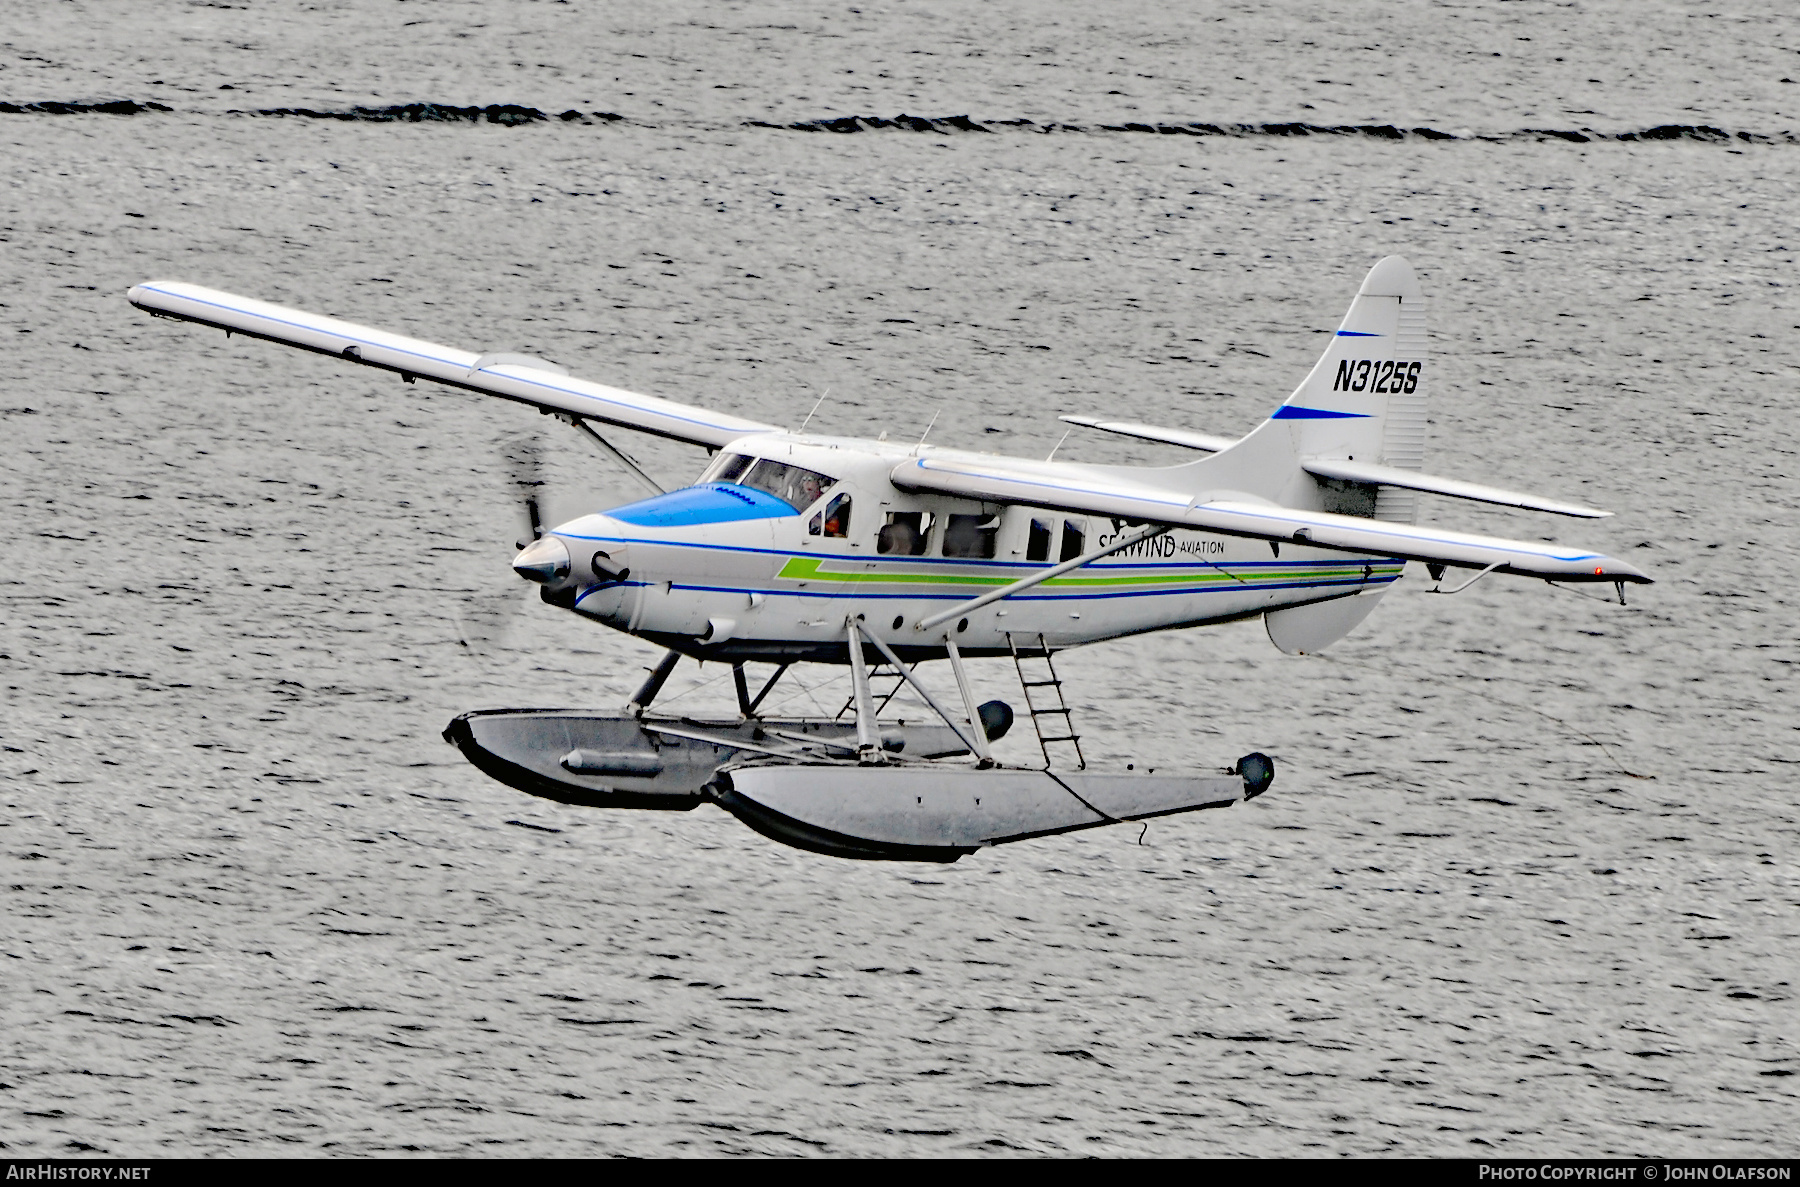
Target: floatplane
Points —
{"points": [[800, 548]]}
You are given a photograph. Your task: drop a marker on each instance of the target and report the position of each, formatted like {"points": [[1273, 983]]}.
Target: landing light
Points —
{"points": [[543, 560]]}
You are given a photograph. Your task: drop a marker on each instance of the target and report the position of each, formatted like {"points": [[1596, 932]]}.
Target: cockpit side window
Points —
{"points": [[799, 488], [833, 521]]}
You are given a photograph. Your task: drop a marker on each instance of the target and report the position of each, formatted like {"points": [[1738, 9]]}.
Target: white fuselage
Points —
{"points": [[779, 588]]}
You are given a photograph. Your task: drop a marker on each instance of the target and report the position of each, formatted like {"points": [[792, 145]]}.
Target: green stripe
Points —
{"points": [[808, 569]]}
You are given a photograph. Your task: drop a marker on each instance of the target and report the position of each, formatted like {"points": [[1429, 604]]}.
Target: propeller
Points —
{"points": [[523, 454], [485, 617]]}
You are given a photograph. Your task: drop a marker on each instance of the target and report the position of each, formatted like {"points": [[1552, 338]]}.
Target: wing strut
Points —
{"points": [[617, 454], [1042, 575]]}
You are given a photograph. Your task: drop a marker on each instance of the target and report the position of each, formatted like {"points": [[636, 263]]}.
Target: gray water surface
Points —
{"points": [[1525, 883]]}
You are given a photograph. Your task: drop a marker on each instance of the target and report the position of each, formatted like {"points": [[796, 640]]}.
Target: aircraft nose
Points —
{"points": [[544, 560]]}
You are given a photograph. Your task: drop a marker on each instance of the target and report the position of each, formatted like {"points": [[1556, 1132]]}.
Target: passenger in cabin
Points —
{"points": [[971, 535], [799, 488], [837, 517], [904, 534], [897, 539]]}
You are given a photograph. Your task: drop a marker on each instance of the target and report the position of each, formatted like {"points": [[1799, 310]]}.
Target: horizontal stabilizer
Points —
{"points": [[513, 377], [1389, 476], [1131, 428]]}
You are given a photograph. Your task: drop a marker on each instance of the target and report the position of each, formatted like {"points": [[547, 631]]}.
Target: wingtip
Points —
{"points": [[1612, 570], [138, 292]]}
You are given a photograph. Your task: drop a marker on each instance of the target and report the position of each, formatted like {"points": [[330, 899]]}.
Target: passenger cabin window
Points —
{"points": [[1037, 544], [906, 533], [1074, 537], [832, 522], [796, 486], [971, 535]]}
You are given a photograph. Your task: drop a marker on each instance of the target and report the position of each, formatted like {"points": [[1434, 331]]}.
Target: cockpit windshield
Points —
{"points": [[727, 467], [798, 487]]}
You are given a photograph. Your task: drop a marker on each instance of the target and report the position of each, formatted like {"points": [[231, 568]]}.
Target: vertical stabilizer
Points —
{"points": [[1364, 401], [1365, 397]]}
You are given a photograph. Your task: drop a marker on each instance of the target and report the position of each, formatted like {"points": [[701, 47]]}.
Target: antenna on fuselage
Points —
{"points": [[815, 408], [1057, 446]]}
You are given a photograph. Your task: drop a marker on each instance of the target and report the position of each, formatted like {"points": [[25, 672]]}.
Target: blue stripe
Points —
{"points": [[1355, 334], [1373, 580], [1349, 558], [1294, 412], [1087, 597]]}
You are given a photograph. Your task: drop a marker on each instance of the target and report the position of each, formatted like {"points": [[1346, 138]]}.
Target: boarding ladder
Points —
{"points": [[1040, 655]]}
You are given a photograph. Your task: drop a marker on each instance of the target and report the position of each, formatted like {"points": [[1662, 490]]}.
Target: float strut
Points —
{"points": [[968, 697], [972, 739], [743, 689], [659, 676], [868, 737], [767, 689]]}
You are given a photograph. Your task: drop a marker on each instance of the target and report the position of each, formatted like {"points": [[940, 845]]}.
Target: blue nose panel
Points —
{"points": [[716, 502]]}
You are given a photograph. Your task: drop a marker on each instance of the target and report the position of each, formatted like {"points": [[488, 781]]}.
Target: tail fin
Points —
{"points": [[1372, 376], [1364, 400]]}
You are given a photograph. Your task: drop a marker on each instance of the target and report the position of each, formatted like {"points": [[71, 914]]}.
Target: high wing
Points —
{"points": [[1069, 487], [513, 377]]}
